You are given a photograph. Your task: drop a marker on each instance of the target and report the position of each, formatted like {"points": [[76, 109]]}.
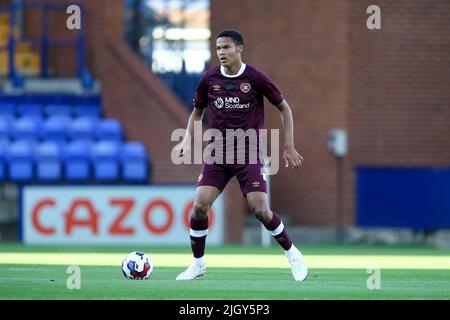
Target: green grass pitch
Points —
{"points": [[234, 272]]}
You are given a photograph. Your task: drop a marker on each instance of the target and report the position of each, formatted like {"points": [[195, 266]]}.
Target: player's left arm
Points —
{"points": [[290, 154]]}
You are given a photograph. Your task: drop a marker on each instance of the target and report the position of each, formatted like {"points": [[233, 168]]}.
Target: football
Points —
{"points": [[137, 266]]}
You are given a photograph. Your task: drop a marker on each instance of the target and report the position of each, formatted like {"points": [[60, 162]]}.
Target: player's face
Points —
{"points": [[228, 52]]}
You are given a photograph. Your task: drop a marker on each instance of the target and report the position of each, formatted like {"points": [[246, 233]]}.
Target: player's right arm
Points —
{"points": [[273, 94], [185, 145]]}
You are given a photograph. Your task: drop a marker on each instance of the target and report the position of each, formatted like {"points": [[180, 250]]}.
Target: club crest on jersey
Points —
{"points": [[218, 103], [245, 87]]}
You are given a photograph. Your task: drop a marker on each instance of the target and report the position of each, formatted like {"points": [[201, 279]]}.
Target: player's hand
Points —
{"points": [[183, 148], [293, 158]]}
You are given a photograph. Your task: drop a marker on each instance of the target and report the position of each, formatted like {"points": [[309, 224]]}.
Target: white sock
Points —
{"points": [[293, 250], [200, 262]]}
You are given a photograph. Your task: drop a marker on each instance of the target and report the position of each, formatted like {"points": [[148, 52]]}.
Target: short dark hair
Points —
{"points": [[236, 36]]}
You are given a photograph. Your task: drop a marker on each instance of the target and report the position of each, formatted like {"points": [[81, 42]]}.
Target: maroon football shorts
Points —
{"points": [[249, 176]]}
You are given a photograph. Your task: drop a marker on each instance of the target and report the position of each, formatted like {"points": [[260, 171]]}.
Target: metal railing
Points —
{"points": [[44, 41]]}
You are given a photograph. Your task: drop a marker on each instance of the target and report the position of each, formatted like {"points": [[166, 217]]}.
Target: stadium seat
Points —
{"points": [[7, 109], [55, 129], [20, 161], [83, 110], [58, 110], [82, 129], [109, 130], [105, 161], [30, 110], [2, 161], [77, 161], [48, 161], [26, 128], [5, 128], [134, 162]]}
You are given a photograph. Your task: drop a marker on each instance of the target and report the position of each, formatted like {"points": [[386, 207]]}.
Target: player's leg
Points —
{"points": [[204, 198], [211, 182], [258, 204], [254, 188]]}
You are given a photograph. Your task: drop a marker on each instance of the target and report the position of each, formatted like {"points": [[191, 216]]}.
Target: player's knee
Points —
{"points": [[262, 213], [200, 211]]}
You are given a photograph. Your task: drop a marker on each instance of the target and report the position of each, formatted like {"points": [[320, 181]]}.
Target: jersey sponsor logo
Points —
{"points": [[232, 99], [216, 87], [245, 87], [230, 103], [218, 103]]}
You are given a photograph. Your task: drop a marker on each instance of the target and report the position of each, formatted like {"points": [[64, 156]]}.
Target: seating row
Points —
{"points": [[76, 161], [60, 128]]}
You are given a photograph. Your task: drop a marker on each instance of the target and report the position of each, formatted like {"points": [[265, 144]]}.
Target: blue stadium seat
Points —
{"points": [[48, 161], [58, 110], [110, 130], [26, 128], [82, 129], [3, 147], [83, 110], [77, 161], [5, 129], [105, 160], [30, 110], [20, 161], [55, 129], [134, 162], [7, 109]]}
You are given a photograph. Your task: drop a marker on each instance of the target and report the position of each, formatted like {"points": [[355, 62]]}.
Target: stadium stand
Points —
{"points": [[53, 136], [66, 142]]}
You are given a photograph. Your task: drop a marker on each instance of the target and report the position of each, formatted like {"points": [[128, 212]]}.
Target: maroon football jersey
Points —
{"points": [[236, 101]]}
